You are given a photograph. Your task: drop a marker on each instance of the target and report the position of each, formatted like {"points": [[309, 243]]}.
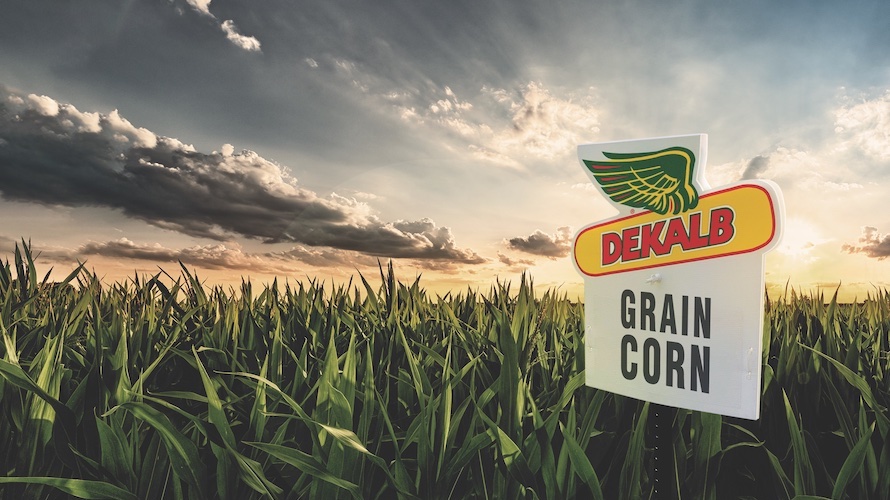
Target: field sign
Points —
{"points": [[673, 284]]}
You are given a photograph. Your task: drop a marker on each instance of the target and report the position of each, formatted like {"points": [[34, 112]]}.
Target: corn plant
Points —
{"points": [[164, 387]]}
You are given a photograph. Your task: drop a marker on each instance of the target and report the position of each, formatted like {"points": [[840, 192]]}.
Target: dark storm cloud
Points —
{"points": [[124, 248], [546, 245], [54, 154], [871, 243], [226, 256], [755, 167]]}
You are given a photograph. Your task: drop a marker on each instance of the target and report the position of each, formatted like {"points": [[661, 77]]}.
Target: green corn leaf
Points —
{"points": [[308, 464], [511, 455], [216, 414], [784, 483], [183, 453], [14, 374], [804, 480], [345, 437], [706, 448], [116, 458], [865, 391], [79, 488], [852, 465], [630, 479], [469, 449], [582, 465], [248, 470]]}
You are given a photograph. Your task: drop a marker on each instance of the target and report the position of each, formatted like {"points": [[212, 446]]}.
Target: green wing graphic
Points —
{"points": [[660, 181]]}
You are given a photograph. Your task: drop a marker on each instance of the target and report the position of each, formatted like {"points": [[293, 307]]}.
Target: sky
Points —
{"points": [[293, 139]]}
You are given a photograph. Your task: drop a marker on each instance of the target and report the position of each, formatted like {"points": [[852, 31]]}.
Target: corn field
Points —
{"points": [[163, 387]]}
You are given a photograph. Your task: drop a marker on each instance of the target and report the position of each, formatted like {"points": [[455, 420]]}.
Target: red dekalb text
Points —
{"points": [[659, 238]]}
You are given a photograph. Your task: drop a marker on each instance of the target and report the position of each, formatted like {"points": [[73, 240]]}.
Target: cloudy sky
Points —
{"points": [[314, 139]]}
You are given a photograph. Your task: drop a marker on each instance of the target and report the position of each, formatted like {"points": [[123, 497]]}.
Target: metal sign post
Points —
{"points": [[661, 441]]}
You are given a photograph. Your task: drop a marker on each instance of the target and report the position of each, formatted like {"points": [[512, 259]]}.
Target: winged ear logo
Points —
{"points": [[660, 181]]}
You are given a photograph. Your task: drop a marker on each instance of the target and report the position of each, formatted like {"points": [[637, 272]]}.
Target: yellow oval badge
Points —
{"points": [[738, 219]]}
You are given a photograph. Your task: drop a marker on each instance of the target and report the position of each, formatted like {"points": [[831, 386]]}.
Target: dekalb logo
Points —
{"points": [[660, 181], [670, 221]]}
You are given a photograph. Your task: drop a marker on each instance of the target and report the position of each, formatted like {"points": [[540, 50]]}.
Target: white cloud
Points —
{"points": [[125, 131], [540, 126], [359, 211], [47, 106], [866, 126], [409, 115], [514, 127], [495, 157], [344, 65], [817, 171], [543, 125], [250, 167], [366, 196], [527, 124], [90, 122], [842, 186], [67, 119], [44, 105], [247, 43], [202, 6]]}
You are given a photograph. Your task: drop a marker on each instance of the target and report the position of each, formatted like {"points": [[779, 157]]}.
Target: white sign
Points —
{"points": [[673, 284]]}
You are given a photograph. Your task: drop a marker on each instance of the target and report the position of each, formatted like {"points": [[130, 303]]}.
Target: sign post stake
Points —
{"points": [[661, 439]]}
